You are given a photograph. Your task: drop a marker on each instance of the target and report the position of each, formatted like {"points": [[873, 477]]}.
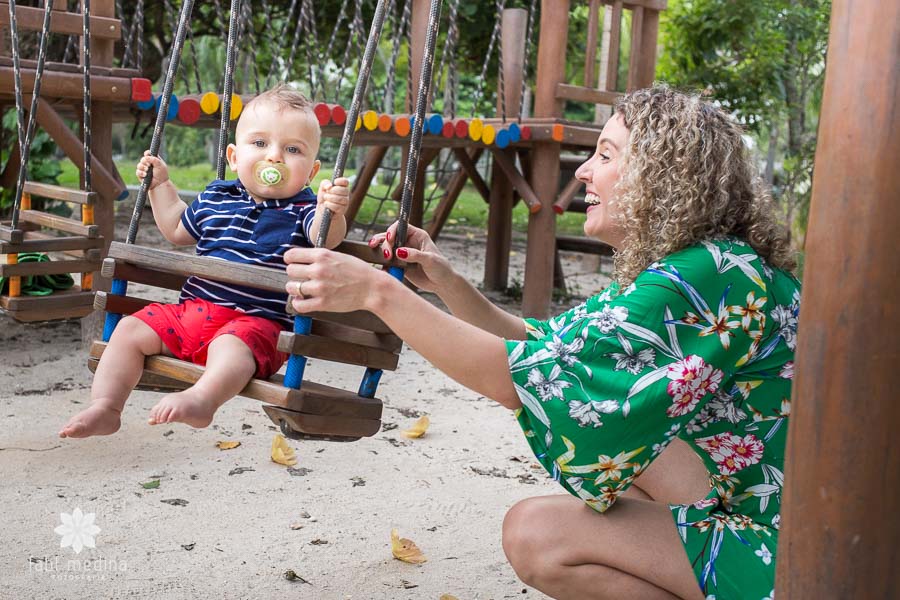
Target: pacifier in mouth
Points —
{"points": [[269, 174]]}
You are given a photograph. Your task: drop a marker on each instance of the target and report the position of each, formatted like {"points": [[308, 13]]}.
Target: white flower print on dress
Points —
{"points": [[548, 387], [786, 317], [787, 371], [723, 407], [691, 379], [566, 353], [765, 554], [588, 413], [634, 362], [608, 319]]}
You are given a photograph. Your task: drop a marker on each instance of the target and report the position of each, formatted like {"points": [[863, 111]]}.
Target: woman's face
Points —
{"points": [[600, 174]]}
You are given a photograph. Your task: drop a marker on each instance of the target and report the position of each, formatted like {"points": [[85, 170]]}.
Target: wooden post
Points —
{"points": [[101, 148], [551, 68], [840, 519], [499, 234]]}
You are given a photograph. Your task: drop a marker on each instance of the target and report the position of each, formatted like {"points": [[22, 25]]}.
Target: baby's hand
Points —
{"points": [[160, 170], [335, 196]]}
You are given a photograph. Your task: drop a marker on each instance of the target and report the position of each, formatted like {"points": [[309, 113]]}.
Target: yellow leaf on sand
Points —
{"points": [[418, 429], [405, 550], [227, 445], [448, 597], [281, 452]]}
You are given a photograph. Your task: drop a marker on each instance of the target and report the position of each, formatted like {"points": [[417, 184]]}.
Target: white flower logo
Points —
{"points": [[77, 530]]}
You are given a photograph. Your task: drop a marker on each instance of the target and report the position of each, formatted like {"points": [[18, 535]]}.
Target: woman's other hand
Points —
{"points": [[426, 267]]}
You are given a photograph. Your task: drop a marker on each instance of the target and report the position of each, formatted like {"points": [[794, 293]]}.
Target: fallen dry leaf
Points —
{"points": [[418, 429], [448, 597], [227, 445], [282, 453], [405, 550]]}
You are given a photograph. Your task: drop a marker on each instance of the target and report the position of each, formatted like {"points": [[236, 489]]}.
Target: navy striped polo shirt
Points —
{"points": [[228, 224]]}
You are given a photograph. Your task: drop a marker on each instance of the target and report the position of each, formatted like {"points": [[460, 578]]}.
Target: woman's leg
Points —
{"points": [[677, 476], [117, 373], [565, 549], [229, 366]]}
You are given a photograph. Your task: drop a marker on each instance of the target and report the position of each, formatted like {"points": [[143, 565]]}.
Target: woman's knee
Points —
{"points": [[529, 540]]}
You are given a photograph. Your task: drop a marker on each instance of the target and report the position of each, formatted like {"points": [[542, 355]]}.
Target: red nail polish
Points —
{"points": [[390, 236], [387, 253], [402, 253]]}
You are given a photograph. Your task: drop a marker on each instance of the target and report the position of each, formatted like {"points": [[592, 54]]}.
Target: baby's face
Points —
{"points": [[275, 150]]}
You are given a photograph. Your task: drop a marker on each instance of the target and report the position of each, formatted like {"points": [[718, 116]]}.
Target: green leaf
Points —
{"points": [[151, 485]]}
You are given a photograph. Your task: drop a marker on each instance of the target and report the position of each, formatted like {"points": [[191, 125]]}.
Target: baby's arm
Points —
{"points": [[167, 205], [336, 197]]}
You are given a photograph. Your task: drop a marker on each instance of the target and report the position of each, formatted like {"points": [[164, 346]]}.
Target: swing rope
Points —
{"points": [[86, 62], [415, 143], [499, 31], [270, 77], [26, 132], [228, 86], [400, 24]]}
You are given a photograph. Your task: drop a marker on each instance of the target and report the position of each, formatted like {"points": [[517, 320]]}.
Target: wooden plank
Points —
{"points": [[584, 94], [55, 84], [69, 23], [634, 59], [615, 41], [586, 245], [15, 236], [362, 251], [505, 162], [335, 350], [840, 526], [59, 192], [132, 273], [59, 223], [96, 71], [468, 161], [54, 267], [325, 426], [381, 341], [119, 305], [70, 298], [359, 319], [50, 314], [645, 72], [312, 398], [49, 243], [590, 60], [176, 263]]}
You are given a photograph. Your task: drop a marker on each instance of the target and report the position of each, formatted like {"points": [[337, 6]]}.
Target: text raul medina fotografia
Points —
{"points": [[75, 569]]}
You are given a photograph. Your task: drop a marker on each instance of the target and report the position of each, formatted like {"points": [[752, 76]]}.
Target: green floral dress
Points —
{"points": [[700, 346]]}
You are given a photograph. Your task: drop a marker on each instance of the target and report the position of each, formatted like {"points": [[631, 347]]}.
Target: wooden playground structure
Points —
{"points": [[840, 526]]}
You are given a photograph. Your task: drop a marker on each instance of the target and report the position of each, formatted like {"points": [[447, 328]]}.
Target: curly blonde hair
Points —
{"points": [[686, 176]]}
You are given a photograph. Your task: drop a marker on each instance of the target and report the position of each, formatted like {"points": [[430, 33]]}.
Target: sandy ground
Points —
{"points": [[243, 520]]}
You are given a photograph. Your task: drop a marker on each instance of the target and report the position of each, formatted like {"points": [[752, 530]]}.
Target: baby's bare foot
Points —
{"points": [[94, 420], [183, 407]]}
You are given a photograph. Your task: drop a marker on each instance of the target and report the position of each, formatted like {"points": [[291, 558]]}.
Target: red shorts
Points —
{"points": [[187, 329]]}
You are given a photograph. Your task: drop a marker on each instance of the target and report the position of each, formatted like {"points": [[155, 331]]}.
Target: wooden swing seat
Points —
{"points": [[313, 411], [80, 241]]}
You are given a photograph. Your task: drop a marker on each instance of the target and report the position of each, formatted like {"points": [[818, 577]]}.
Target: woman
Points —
{"points": [[690, 350]]}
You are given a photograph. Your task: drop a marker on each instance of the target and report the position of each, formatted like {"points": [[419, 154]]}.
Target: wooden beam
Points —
{"points": [[318, 426], [55, 84], [634, 58], [71, 145], [840, 523], [364, 178], [67, 23], [505, 162], [53, 267], [590, 59], [615, 41], [59, 223], [468, 162], [70, 298], [584, 94], [567, 195], [36, 241]]}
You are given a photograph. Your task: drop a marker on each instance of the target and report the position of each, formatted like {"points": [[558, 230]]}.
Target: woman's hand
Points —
{"points": [[426, 267], [322, 280], [160, 170]]}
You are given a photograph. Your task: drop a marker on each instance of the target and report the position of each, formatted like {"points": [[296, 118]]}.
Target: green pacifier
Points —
{"points": [[269, 174]]}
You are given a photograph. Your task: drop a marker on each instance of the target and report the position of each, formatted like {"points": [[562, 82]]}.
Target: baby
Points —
{"points": [[231, 329]]}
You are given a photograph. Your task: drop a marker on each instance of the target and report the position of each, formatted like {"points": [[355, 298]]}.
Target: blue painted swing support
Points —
{"points": [[302, 324]]}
